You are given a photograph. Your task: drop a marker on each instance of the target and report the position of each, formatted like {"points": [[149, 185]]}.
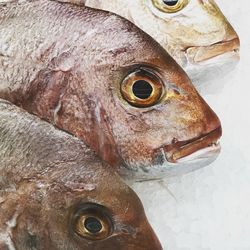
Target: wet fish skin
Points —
{"points": [[198, 37], [66, 64], [47, 176]]}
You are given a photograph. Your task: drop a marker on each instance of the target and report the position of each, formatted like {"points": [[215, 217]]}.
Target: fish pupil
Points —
{"points": [[93, 225], [142, 89], [170, 2]]}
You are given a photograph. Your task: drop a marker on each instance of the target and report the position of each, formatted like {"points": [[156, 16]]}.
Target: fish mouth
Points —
{"points": [[200, 54], [179, 158], [200, 147]]}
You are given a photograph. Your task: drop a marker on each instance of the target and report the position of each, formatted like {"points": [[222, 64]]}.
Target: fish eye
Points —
{"points": [[170, 6], [142, 88], [92, 222]]}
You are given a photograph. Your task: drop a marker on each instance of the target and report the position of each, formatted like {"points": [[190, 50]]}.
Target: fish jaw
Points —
{"points": [[193, 155], [180, 158], [212, 69], [204, 62], [197, 160], [202, 53], [178, 151]]}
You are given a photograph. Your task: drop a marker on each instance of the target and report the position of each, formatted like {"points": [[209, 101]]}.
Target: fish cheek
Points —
{"points": [[132, 132]]}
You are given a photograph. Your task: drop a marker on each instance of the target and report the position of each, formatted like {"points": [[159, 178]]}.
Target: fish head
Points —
{"points": [[163, 126], [197, 35], [146, 114], [194, 32], [81, 209], [127, 99]]}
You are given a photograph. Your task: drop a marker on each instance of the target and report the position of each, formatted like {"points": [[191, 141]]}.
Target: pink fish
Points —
{"points": [[102, 79], [57, 194]]}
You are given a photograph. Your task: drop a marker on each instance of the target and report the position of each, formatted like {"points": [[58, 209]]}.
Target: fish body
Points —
{"points": [[83, 71], [195, 33], [55, 193]]}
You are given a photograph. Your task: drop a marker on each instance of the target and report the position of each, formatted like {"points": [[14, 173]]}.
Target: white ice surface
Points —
{"points": [[210, 209]]}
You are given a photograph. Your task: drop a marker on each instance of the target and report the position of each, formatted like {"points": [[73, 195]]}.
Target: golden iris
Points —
{"points": [[142, 88], [93, 224], [170, 6]]}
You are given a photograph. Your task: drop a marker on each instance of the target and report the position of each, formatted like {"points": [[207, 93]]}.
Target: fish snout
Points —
{"points": [[222, 39], [226, 42], [207, 143], [202, 147]]}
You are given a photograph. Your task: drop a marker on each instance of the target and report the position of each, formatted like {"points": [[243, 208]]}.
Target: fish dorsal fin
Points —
{"points": [[77, 2]]}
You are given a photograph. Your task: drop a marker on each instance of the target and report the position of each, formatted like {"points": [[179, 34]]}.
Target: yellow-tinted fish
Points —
{"points": [[57, 194], [99, 77], [194, 32]]}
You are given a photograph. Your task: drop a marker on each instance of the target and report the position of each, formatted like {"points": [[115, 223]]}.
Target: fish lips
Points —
{"points": [[206, 63], [179, 150], [185, 156], [179, 158], [199, 54]]}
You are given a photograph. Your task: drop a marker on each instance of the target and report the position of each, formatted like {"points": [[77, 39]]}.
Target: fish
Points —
{"points": [[194, 32], [100, 78], [56, 193]]}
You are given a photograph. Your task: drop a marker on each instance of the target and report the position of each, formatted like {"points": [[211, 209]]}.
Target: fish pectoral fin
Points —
{"points": [[77, 2]]}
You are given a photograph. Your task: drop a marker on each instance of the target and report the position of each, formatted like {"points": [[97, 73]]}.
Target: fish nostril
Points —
{"points": [[127, 229]]}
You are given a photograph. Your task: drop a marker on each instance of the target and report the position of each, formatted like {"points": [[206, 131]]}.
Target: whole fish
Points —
{"points": [[99, 77], [194, 32], [55, 193]]}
